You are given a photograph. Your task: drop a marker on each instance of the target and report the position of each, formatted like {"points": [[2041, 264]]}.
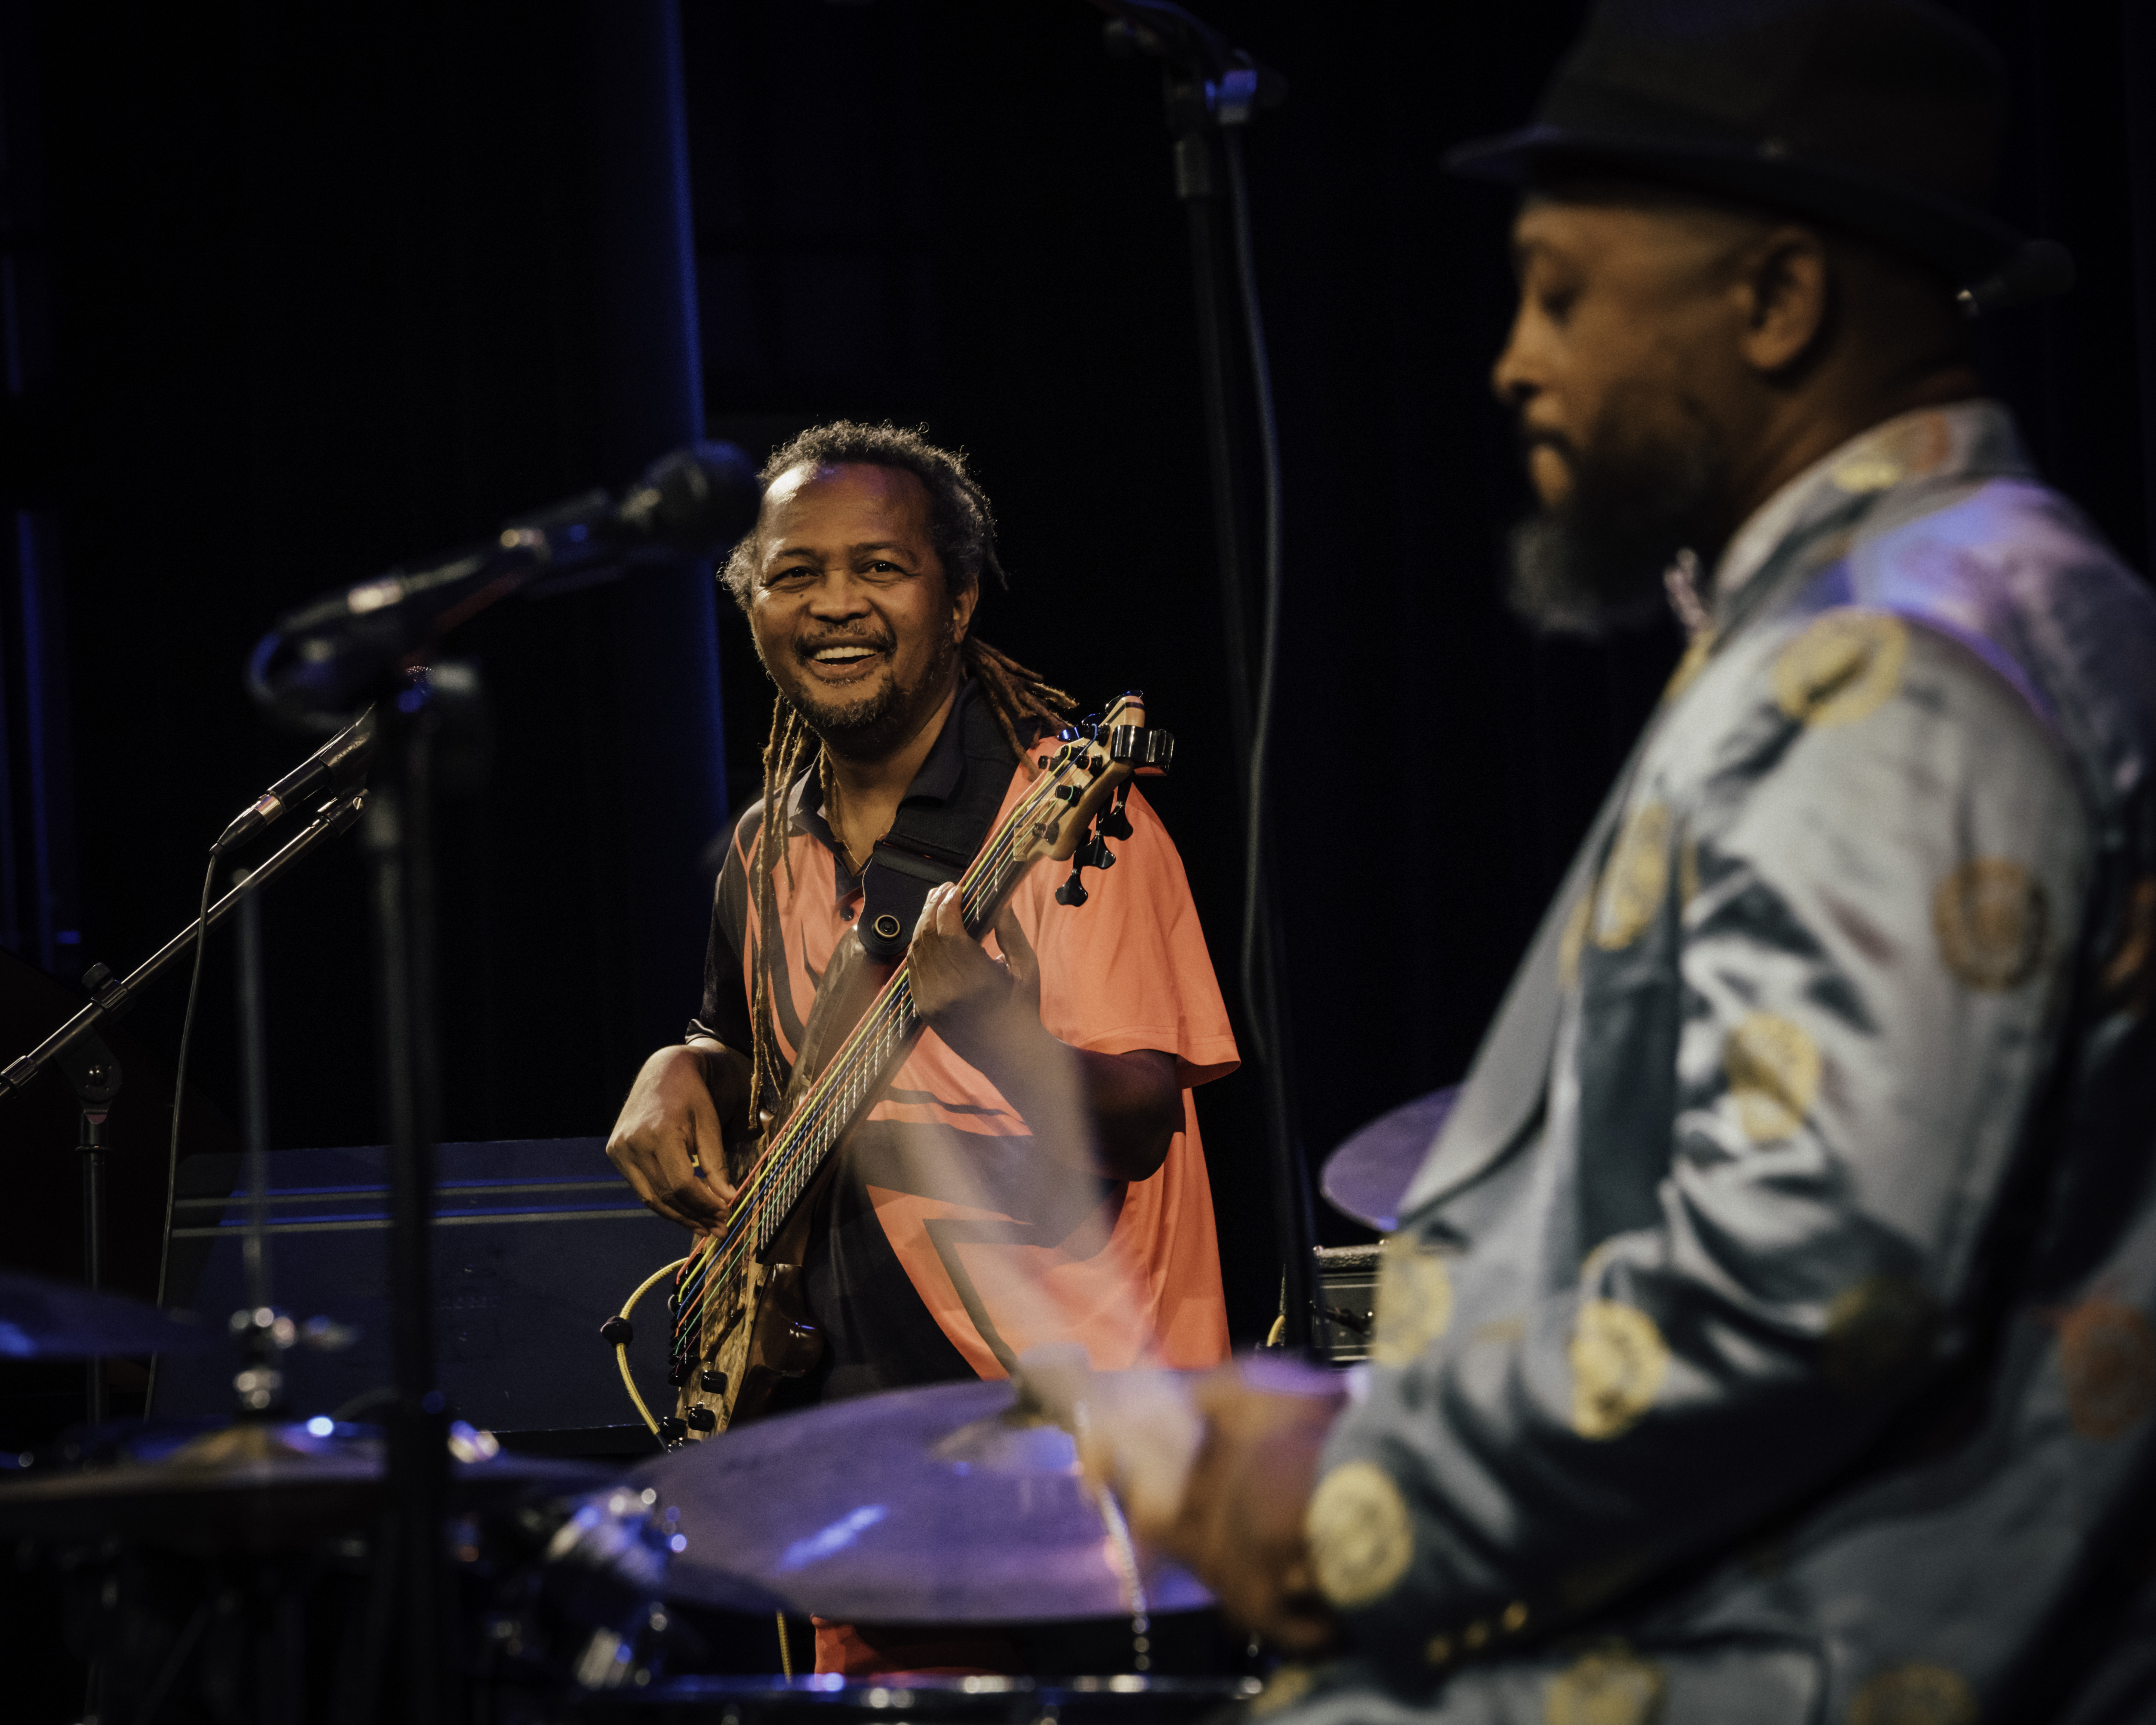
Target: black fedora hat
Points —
{"points": [[1883, 118]]}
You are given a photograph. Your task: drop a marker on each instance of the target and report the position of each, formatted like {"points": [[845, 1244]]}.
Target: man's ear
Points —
{"points": [[962, 611], [1784, 283]]}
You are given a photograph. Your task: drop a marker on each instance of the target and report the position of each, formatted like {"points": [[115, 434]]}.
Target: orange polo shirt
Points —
{"points": [[952, 1242]]}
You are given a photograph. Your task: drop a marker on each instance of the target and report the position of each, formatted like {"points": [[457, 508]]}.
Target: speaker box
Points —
{"points": [[535, 1243]]}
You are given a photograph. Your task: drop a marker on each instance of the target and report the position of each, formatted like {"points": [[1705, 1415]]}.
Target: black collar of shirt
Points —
{"points": [[938, 776]]}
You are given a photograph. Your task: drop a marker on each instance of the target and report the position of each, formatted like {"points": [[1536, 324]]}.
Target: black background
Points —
{"points": [[321, 292]]}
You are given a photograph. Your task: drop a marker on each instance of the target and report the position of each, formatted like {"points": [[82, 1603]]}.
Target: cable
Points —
{"points": [[621, 1348], [179, 1097], [1261, 714]]}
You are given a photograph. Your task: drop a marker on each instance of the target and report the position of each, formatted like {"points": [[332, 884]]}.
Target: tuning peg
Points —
{"points": [[1113, 822], [1097, 854], [1073, 891]]}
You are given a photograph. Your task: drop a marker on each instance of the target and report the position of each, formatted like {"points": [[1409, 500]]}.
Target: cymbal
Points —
{"points": [[42, 1319], [945, 1504], [832, 1700], [1366, 1177], [255, 1488]]}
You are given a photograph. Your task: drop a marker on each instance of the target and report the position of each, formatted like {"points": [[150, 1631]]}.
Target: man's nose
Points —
{"points": [[838, 596], [1510, 378]]}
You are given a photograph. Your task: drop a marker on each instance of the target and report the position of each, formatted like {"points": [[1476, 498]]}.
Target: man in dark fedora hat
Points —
{"points": [[1771, 1331]]}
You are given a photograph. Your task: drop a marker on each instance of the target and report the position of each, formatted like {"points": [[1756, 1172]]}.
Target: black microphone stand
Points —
{"points": [[351, 645], [110, 995], [397, 839], [1212, 91]]}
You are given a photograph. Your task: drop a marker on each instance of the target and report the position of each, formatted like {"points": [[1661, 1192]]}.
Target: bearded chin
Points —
{"points": [[867, 723], [1595, 562]]}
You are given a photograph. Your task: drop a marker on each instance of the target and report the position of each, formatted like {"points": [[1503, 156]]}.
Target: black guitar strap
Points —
{"points": [[932, 840]]}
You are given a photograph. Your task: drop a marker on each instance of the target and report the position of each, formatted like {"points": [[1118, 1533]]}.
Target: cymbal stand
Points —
{"points": [[95, 1075], [263, 1334]]}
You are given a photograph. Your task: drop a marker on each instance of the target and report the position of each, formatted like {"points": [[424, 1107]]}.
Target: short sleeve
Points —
{"points": [[1129, 969], [724, 1012]]}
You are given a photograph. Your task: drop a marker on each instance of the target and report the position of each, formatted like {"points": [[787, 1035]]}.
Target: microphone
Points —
{"points": [[325, 657], [338, 765]]}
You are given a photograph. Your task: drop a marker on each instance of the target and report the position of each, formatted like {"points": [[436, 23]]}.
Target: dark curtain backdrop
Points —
{"points": [[326, 291]]}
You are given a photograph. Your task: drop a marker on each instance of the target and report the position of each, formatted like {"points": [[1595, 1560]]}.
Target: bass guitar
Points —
{"points": [[740, 1329]]}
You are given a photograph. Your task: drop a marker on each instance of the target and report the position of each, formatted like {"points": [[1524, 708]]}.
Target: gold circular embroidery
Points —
{"points": [[1285, 1688], [1414, 1302], [1619, 1360], [1574, 937], [1992, 919], [1910, 448], [1636, 878], [1874, 1328], [1611, 1685], [2128, 975], [1868, 473], [2107, 1357], [1360, 1541], [1845, 666], [1695, 656], [1914, 1695], [1773, 1072]]}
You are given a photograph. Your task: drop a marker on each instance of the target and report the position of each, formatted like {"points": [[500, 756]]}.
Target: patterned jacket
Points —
{"points": [[1768, 1336]]}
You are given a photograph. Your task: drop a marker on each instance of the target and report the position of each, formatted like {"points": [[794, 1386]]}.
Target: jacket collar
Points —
{"points": [[1963, 442]]}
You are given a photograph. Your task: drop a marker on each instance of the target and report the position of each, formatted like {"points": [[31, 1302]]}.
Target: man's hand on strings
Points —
{"points": [[988, 1010], [1114, 1114], [668, 1143]]}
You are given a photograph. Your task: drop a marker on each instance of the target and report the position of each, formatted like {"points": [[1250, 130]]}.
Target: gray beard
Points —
{"points": [[1595, 563]]}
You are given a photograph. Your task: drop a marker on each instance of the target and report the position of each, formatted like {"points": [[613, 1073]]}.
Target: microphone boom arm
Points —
{"points": [[111, 997]]}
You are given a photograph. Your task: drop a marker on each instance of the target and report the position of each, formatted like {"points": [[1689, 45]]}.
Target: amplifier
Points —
{"points": [[1344, 1302], [536, 1244]]}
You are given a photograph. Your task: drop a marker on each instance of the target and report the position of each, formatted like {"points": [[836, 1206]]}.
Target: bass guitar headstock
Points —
{"points": [[1088, 768]]}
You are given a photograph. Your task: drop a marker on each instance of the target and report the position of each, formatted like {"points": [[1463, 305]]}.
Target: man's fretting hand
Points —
{"points": [[668, 1143], [982, 1008], [1112, 1114], [1239, 1524]]}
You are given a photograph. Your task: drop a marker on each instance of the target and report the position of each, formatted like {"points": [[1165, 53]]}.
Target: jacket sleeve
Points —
{"points": [[1812, 1000]]}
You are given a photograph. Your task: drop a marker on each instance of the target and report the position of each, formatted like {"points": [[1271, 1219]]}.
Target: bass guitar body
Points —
{"points": [[757, 1333], [757, 1336]]}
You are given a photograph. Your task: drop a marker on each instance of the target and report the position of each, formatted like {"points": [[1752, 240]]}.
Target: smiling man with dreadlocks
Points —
{"points": [[1033, 1172]]}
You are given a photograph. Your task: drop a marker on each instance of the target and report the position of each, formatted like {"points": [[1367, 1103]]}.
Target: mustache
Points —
{"points": [[1532, 438]]}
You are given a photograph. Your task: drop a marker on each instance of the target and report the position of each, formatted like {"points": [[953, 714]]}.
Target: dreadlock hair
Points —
{"points": [[961, 527]]}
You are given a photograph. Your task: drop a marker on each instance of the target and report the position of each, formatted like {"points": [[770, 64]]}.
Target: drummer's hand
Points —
{"points": [[1239, 1526], [667, 1144], [989, 1012]]}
